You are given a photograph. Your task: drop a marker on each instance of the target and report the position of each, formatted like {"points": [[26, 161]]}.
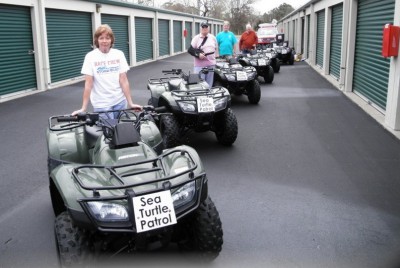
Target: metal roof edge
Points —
{"points": [[154, 9]]}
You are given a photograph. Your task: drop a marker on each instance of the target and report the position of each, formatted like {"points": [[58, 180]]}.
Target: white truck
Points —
{"points": [[267, 33]]}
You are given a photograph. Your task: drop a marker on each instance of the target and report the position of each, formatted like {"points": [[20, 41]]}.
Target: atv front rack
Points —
{"points": [[184, 94], [162, 80], [232, 69], [157, 165]]}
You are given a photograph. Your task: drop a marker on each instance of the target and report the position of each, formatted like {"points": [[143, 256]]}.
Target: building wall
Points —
{"points": [[389, 117], [132, 11]]}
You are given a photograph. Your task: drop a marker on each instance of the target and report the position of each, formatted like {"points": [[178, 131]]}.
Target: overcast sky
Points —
{"points": [[263, 6]]}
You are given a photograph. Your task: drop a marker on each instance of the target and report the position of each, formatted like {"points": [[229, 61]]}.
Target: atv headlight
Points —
{"points": [[184, 195], [230, 77], [250, 76], [105, 211], [220, 104], [187, 107]]}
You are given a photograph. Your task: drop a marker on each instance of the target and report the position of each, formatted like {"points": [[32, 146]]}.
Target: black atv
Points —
{"points": [[237, 79], [271, 54], [284, 53], [192, 106], [260, 62]]}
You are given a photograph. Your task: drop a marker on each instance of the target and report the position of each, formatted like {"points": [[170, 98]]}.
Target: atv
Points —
{"points": [[112, 192], [192, 106], [271, 54], [284, 53], [237, 79], [260, 62]]}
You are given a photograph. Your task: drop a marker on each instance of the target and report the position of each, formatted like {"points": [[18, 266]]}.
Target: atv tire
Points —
{"points": [[226, 127], [169, 128], [202, 232], [277, 66], [72, 243], [254, 92], [269, 76], [56, 199], [291, 60]]}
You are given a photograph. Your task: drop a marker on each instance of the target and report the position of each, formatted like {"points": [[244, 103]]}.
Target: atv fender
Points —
{"points": [[167, 100], [62, 179], [177, 163], [150, 134], [68, 145], [244, 62]]}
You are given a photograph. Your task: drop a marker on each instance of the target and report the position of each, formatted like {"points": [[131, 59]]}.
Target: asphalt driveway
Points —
{"points": [[312, 180]]}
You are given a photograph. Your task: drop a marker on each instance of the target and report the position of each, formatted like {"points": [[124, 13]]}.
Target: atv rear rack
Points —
{"points": [[157, 166]]}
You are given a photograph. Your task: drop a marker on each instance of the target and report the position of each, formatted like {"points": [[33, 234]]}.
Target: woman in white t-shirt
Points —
{"points": [[106, 82]]}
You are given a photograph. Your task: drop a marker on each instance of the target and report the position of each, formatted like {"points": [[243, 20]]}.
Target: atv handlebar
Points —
{"points": [[173, 71], [68, 119], [91, 119]]}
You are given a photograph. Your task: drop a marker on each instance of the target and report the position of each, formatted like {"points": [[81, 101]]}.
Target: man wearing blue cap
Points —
{"points": [[209, 47]]}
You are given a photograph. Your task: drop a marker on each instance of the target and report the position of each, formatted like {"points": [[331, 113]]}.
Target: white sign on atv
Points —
{"points": [[153, 211], [262, 62], [241, 76], [205, 104]]}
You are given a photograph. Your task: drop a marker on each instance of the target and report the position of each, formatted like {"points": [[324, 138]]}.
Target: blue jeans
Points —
{"points": [[209, 78], [246, 51], [112, 115]]}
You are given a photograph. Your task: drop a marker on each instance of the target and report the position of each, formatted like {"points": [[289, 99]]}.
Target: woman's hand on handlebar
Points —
{"points": [[135, 107], [78, 112]]}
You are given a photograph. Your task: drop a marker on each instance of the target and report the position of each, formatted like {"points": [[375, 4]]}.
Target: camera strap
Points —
{"points": [[202, 43]]}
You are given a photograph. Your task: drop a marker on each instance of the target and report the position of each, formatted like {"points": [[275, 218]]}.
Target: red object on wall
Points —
{"points": [[184, 32], [390, 42]]}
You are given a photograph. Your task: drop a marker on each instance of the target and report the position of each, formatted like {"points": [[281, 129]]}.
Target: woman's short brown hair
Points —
{"points": [[105, 28]]}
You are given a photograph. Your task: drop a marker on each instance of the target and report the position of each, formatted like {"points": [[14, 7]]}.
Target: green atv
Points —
{"points": [[113, 189], [192, 106]]}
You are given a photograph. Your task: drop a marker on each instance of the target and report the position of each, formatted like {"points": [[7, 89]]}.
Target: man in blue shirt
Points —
{"points": [[227, 42]]}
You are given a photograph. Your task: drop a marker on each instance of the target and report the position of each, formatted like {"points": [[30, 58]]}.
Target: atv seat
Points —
{"points": [[173, 84], [92, 133]]}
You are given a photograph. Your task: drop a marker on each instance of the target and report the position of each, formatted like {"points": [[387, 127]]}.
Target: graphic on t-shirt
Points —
{"points": [[111, 66]]}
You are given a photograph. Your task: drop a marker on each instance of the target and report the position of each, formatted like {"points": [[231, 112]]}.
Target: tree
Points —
{"points": [[237, 12], [176, 6], [146, 2], [241, 13], [278, 12], [204, 8]]}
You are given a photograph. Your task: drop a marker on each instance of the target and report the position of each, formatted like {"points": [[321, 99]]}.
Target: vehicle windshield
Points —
{"points": [[267, 31]]}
